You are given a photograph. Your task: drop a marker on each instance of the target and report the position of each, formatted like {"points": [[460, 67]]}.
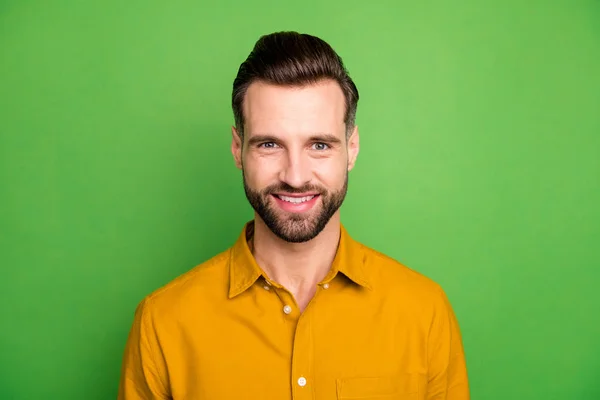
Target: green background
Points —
{"points": [[479, 167]]}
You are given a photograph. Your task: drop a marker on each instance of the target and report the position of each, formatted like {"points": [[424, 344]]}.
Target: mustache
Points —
{"points": [[284, 187]]}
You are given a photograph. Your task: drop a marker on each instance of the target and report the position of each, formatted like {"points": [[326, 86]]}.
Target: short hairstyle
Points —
{"points": [[292, 59]]}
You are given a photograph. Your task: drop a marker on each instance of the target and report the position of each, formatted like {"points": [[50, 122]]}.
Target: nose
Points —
{"points": [[296, 170]]}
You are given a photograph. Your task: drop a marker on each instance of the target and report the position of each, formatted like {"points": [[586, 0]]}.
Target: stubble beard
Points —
{"points": [[295, 227]]}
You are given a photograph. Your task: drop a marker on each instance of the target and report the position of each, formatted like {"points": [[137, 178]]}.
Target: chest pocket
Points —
{"points": [[403, 387]]}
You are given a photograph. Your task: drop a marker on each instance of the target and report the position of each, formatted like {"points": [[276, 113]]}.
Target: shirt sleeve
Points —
{"points": [[143, 372], [447, 375]]}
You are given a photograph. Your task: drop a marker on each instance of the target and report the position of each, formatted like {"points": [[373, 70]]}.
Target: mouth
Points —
{"points": [[296, 203], [295, 199]]}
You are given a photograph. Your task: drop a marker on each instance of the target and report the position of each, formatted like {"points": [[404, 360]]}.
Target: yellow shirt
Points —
{"points": [[374, 330]]}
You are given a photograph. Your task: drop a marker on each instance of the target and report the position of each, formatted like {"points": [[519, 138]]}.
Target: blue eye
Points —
{"points": [[320, 146]]}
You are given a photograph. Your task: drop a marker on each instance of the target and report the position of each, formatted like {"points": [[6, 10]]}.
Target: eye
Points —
{"points": [[268, 145], [320, 146]]}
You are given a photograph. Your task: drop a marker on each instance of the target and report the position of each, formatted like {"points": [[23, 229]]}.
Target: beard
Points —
{"points": [[295, 227]]}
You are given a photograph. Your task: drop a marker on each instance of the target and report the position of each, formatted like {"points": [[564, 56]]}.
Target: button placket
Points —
{"points": [[288, 305], [303, 359]]}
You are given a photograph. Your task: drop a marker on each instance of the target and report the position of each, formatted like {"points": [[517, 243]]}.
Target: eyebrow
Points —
{"points": [[260, 139], [318, 137], [326, 137]]}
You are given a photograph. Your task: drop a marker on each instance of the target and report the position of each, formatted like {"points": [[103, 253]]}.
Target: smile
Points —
{"points": [[296, 204], [295, 200]]}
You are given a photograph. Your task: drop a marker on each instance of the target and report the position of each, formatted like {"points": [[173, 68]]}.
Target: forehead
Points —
{"points": [[273, 109]]}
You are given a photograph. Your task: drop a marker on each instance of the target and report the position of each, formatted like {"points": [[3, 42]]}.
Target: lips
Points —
{"points": [[296, 204], [296, 200]]}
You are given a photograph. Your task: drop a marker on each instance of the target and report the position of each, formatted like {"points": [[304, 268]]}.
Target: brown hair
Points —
{"points": [[292, 59]]}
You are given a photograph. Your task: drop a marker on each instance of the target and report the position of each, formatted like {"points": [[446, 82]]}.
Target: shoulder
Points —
{"points": [[393, 278], [201, 283]]}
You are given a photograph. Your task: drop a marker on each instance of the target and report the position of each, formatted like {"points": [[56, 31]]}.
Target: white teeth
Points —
{"points": [[296, 200]]}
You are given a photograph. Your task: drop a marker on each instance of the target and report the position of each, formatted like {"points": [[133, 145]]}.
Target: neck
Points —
{"points": [[298, 267]]}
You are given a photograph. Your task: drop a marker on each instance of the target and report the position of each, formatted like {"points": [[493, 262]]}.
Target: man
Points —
{"points": [[295, 309]]}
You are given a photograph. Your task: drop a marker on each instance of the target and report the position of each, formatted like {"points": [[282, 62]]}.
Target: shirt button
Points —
{"points": [[267, 287], [326, 286], [287, 309], [302, 381]]}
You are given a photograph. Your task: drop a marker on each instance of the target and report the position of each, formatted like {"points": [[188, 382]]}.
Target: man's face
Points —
{"points": [[295, 157]]}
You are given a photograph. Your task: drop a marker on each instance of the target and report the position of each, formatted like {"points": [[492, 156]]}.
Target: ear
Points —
{"points": [[236, 147], [353, 148]]}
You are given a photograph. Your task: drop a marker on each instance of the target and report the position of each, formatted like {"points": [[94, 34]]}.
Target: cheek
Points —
{"points": [[331, 173], [260, 172]]}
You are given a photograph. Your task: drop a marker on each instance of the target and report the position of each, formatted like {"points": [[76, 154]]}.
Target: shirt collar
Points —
{"points": [[244, 271]]}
